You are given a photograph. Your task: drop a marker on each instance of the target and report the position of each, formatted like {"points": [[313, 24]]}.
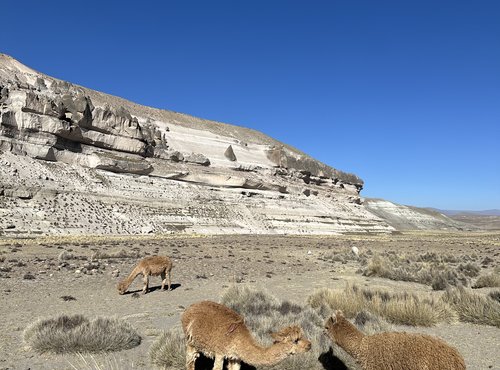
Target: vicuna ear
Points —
{"points": [[338, 314], [332, 320], [232, 327]]}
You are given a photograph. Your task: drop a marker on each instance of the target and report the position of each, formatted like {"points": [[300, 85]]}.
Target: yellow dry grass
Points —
{"points": [[398, 308]]}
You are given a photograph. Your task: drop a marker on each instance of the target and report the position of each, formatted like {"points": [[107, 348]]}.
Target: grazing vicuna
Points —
{"points": [[392, 350], [219, 332], [149, 266]]}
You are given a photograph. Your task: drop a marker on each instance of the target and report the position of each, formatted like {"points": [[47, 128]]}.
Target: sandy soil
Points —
{"points": [[287, 267]]}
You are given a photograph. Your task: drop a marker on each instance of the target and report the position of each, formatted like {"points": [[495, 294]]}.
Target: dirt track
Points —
{"points": [[287, 267]]}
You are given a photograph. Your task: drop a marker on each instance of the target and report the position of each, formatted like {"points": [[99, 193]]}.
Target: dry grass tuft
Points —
{"points": [[345, 255], [488, 281], [397, 308], [495, 296], [117, 254], [106, 362], [370, 323], [169, 350], [68, 334], [426, 269], [438, 258], [473, 307], [65, 255], [469, 269]]}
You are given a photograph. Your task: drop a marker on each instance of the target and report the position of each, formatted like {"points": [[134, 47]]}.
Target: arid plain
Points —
{"points": [[47, 277]]}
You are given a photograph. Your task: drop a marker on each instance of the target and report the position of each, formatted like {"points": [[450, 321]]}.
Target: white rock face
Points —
{"points": [[411, 218], [81, 161]]}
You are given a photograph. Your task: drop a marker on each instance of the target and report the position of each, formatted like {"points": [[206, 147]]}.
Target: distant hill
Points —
{"points": [[403, 217], [488, 212], [487, 219]]}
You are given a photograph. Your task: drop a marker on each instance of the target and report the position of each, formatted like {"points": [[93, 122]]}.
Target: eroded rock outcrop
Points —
{"points": [[107, 165]]}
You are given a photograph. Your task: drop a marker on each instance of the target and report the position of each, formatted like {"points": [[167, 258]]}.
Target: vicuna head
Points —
{"points": [[334, 325], [293, 338], [122, 287]]}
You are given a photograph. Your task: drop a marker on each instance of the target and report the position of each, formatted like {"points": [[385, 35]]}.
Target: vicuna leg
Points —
{"points": [[146, 284], [219, 362], [234, 365], [191, 356], [168, 279], [163, 280]]}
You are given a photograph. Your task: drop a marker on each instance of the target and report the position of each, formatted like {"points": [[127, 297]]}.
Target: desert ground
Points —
{"points": [[46, 277]]}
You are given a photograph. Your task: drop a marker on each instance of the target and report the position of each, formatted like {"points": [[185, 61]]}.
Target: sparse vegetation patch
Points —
{"points": [[65, 255], [67, 334], [117, 254], [495, 296], [426, 269], [104, 361], [488, 281], [397, 308], [169, 350], [473, 307]]}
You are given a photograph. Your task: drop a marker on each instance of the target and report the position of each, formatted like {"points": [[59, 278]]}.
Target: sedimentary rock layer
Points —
{"points": [[74, 160]]}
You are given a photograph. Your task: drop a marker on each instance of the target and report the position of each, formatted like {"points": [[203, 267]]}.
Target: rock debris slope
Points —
{"points": [[74, 160]]}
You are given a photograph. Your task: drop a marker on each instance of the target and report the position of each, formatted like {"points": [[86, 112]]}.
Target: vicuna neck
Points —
{"points": [[348, 337], [128, 280]]}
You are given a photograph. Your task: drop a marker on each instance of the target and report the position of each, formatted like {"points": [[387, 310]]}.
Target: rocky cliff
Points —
{"points": [[74, 160]]}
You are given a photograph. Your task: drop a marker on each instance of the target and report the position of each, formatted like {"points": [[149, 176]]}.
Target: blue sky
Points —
{"points": [[405, 94]]}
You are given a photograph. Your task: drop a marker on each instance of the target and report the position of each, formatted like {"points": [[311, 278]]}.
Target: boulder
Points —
{"points": [[229, 153], [197, 158]]}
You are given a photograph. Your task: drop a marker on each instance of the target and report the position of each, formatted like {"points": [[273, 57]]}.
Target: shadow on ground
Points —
{"points": [[152, 289], [327, 359]]}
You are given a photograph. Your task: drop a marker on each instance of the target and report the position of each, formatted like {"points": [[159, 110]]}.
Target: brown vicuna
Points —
{"points": [[149, 266], [392, 350], [219, 332]]}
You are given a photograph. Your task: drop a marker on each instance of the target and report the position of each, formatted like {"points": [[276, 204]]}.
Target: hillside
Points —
{"points": [[74, 160]]}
